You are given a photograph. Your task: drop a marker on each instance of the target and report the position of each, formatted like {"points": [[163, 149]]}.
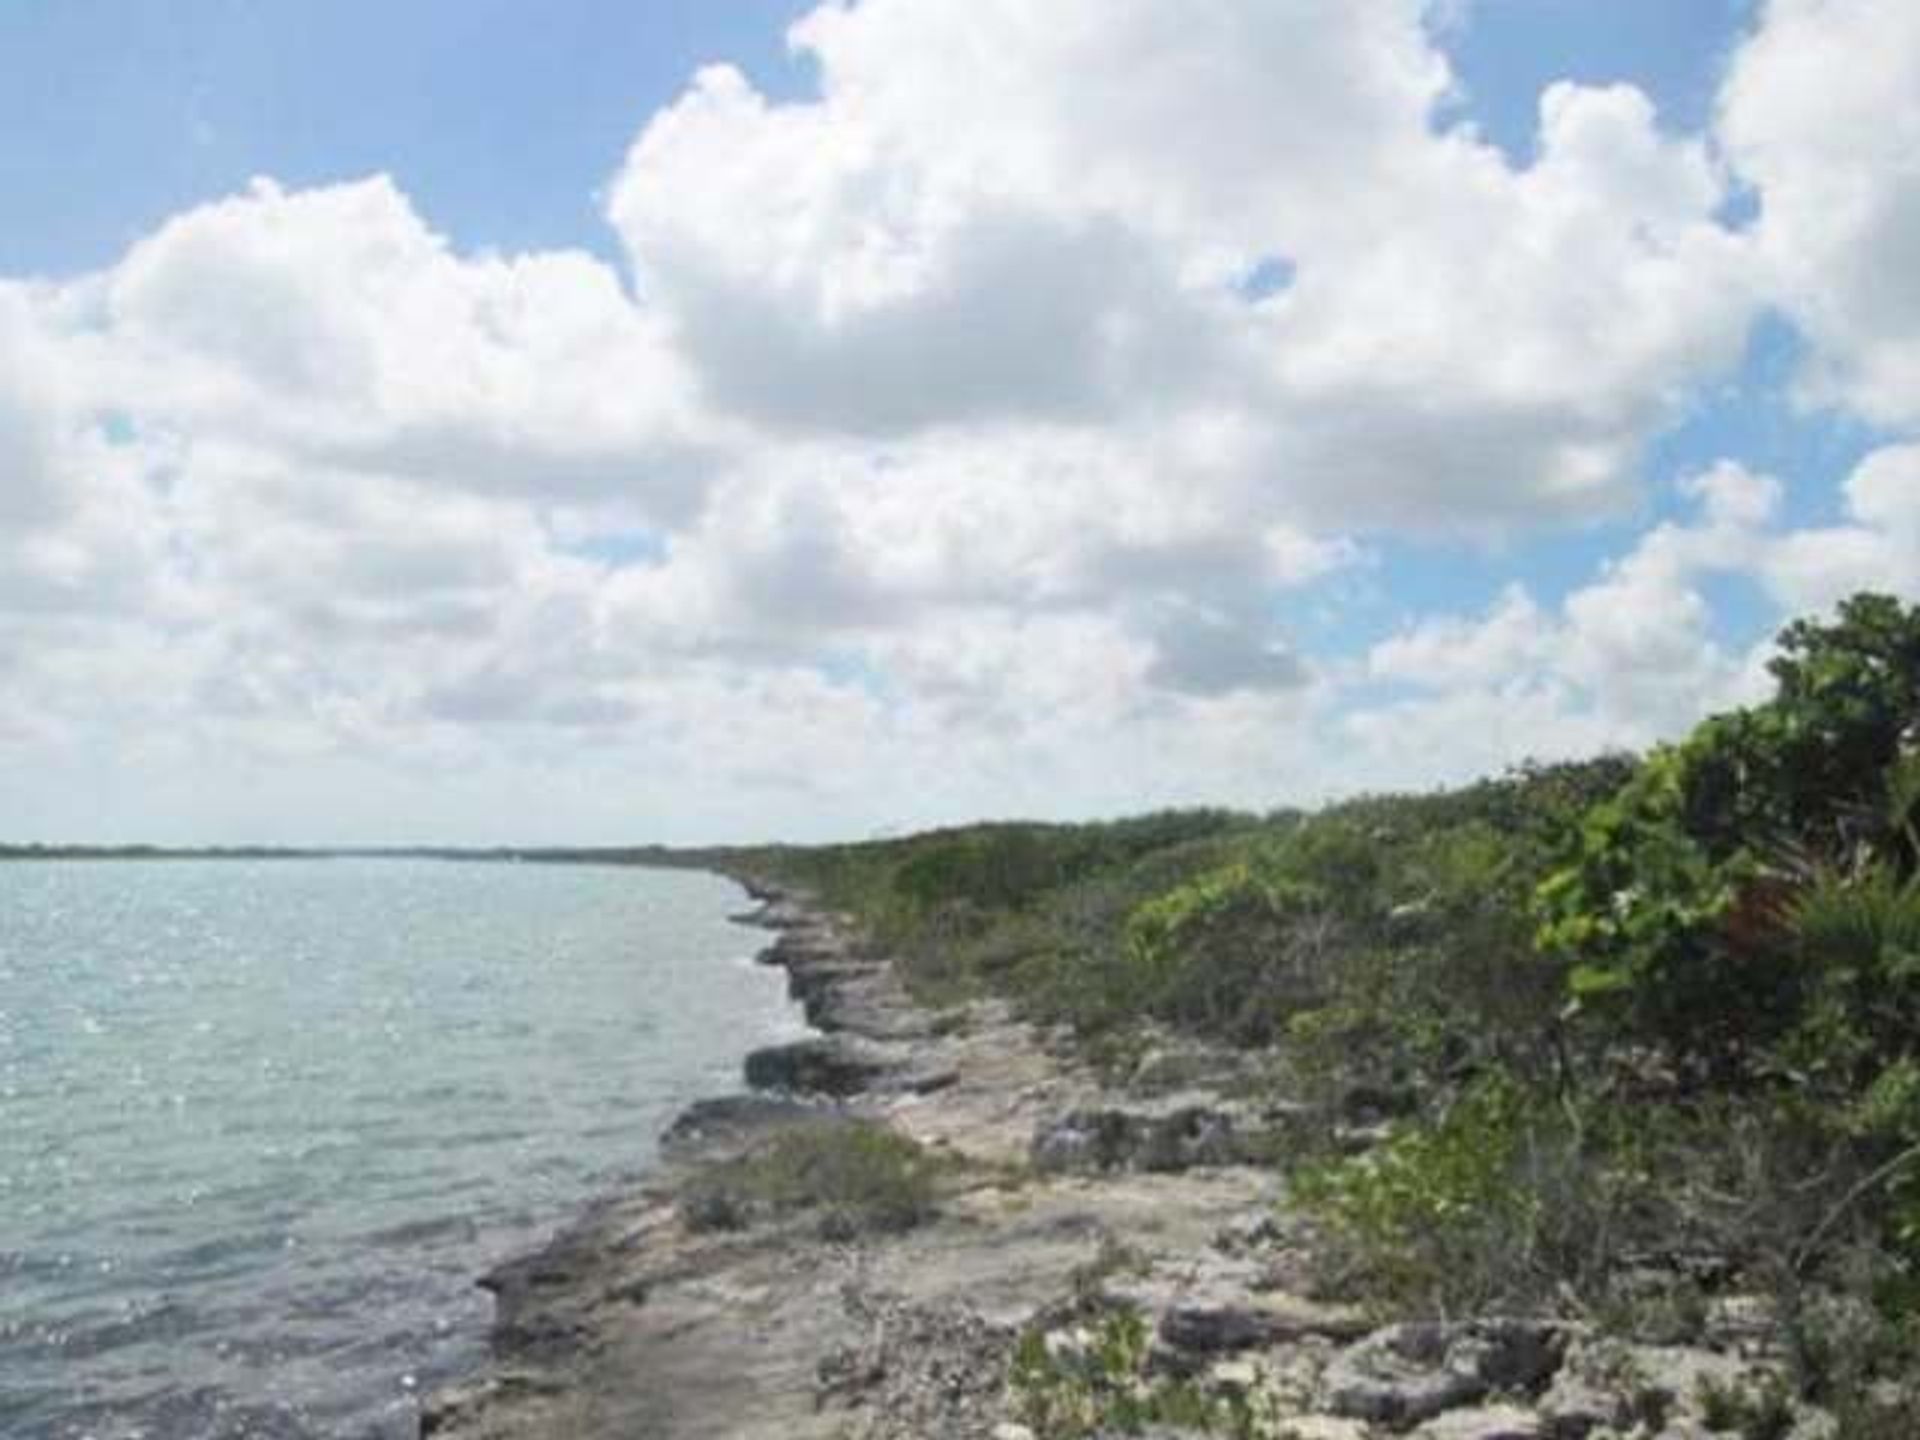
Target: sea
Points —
{"points": [[263, 1123]]}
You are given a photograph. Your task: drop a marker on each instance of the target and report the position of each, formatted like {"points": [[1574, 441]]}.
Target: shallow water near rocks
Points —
{"points": [[263, 1122]]}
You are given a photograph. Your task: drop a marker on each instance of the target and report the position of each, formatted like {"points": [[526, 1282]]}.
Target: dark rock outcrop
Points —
{"points": [[728, 1120], [1405, 1374], [825, 1065]]}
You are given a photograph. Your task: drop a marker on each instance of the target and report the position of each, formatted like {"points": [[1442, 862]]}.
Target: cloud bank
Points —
{"points": [[983, 433]]}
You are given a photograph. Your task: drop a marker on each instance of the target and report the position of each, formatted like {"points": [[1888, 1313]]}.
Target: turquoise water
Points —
{"points": [[262, 1123]]}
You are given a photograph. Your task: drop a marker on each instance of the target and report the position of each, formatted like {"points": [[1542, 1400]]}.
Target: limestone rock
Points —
{"points": [[1095, 1141], [1322, 1427], [1171, 1066], [1225, 1320], [1492, 1422], [1214, 1304], [1409, 1373], [1678, 1374], [1574, 1407], [1084, 1142]]}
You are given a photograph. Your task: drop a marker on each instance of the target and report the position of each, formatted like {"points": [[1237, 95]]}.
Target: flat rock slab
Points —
{"points": [[1325, 1427], [1492, 1422]]}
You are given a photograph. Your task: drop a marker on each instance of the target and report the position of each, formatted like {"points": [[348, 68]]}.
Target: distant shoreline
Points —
{"points": [[656, 857]]}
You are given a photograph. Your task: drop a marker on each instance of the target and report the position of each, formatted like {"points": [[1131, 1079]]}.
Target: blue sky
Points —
{"points": [[853, 436], [503, 122], [502, 119], [1507, 51]]}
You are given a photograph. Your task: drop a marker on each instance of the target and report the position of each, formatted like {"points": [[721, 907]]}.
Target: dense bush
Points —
{"points": [[966, 909], [1507, 1197], [1390, 930], [1677, 905], [1011, 867], [1232, 953], [1737, 928]]}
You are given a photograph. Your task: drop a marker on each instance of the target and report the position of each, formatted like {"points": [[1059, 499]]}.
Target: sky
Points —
{"points": [[596, 422]]}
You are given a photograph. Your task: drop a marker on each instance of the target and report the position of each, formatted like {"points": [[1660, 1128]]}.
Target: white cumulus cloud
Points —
{"points": [[982, 432]]}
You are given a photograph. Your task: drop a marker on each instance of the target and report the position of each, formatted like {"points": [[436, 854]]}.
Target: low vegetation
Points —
{"points": [[855, 1177], [1647, 1028], [1097, 1378]]}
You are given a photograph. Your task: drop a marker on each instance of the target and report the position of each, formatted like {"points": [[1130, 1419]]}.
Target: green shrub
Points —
{"points": [[1440, 1216], [1232, 953], [1640, 914], [861, 1176], [1763, 1410], [1224, 924], [1673, 907], [1856, 937], [1097, 1380], [1000, 906], [1513, 1196]]}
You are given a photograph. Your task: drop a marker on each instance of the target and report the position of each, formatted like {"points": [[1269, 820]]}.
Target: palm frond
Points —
{"points": [[1868, 914]]}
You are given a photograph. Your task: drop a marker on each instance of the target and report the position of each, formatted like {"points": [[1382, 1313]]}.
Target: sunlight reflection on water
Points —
{"points": [[264, 1122]]}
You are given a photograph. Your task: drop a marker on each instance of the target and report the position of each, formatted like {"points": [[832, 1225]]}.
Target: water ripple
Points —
{"points": [[265, 1122]]}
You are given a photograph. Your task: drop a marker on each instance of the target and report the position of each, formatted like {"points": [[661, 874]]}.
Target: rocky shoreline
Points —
{"points": [[1061, 1199]]}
